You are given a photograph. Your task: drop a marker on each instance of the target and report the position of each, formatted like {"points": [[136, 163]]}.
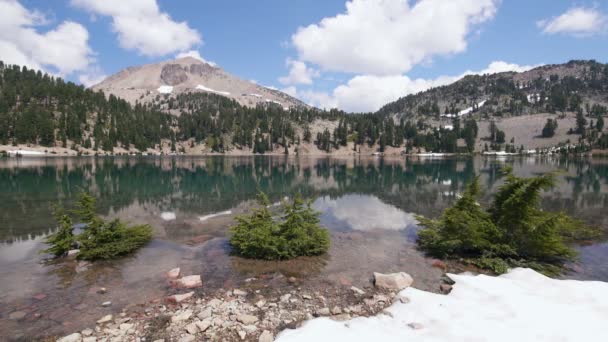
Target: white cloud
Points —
{"points": [[92, 77], [141, 26], [365, 93], [388, 37], [366, 213], [299, 73], [578, 21], [195, 54], [64, 48]]}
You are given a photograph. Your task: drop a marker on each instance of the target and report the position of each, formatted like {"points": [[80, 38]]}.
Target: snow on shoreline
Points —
{"points": [[519, 306], [210, 216]]}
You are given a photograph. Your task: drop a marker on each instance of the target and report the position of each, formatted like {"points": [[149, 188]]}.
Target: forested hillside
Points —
{"points": [[38, 109]]}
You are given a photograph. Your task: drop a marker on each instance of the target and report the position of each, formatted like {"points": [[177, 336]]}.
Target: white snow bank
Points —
{"points": [[168, 216], [222, 213], [520, 306], [26, 153], [165, 89], [202, 87]]}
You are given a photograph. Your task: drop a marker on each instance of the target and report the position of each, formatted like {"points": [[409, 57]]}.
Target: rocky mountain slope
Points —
{"points": [[546, 89], [145, 83]]}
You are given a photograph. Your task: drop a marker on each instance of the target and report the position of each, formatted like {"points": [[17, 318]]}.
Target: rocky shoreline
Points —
{"points": [[255, 313]]}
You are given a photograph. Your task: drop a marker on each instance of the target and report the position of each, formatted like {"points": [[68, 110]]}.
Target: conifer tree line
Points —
{"points": [[36, 108]]}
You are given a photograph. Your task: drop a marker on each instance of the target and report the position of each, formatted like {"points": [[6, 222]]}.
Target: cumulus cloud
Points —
{"points": [[389, 37], [299, 73], [141, 26], [578, 21], [64, 48], [365, 93], [365, 213], [92, 76], [195, 54]]}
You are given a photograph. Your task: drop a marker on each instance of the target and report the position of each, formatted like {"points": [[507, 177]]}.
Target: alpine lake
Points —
{"points": [[367, 203]]}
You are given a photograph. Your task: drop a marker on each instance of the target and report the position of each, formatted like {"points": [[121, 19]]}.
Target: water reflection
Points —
{"points": [[368, 205], [360, 212]]}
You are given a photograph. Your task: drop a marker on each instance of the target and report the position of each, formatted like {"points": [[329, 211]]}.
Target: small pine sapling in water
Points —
{"points": [[63, 239]]}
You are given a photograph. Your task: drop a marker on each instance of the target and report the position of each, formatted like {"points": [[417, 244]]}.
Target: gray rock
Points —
{"points": [[393, 281], [173, 273], [178, 298], [182, 316], [90, 339], [323, 312], [126, 326], [192, 328], [266, 336], [206, 313], [105, 319], [357, 290], [242, 334], [17, 315], [87, 332], [415, 326], [187, 338], [73, 252], [238, 292], [190, 282], [75, 337], [203, 325], [106, 304], [336, 310], [247, 319]]}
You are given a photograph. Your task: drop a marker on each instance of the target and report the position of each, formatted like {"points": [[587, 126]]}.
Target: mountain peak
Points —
{"points": [[189, 74]]}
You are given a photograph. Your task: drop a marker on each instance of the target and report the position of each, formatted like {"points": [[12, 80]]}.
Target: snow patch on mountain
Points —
{"points": [[165, 89], [210, 90]]}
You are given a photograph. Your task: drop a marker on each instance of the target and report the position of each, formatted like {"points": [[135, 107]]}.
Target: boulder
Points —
{"points": [[178, 298], [75, 337], [187, 338], [266, 336], [393, 281], [173, 274], [190, 282]]}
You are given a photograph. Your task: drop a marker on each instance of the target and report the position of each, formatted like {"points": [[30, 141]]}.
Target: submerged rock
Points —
{"points": [[17, 315], [190, 282], [105, 319], [178, 298], [174, 273], [392, 281]]}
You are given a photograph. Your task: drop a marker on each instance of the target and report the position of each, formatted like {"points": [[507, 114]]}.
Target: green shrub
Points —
{"points": [[100, 239], [514, 231], [63, 239], [297, 233]]}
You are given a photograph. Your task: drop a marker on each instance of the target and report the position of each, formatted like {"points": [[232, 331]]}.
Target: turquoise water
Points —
{"points": [[367, 203]]}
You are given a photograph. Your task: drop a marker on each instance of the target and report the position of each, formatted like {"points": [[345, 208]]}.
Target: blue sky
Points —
{"points": [[356, 55]]}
